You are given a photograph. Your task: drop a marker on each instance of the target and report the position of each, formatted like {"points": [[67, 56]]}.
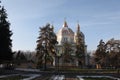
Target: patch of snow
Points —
{"points": [[34, 70], [81, 77], [32, 76], [3, 76], [57, 77]]}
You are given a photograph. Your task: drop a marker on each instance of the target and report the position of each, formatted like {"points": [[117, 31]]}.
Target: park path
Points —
{"points": [[51, 75], [56, 77]]}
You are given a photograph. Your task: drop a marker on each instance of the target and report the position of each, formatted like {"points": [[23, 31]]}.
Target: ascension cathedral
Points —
{"points": [[66, 34]]}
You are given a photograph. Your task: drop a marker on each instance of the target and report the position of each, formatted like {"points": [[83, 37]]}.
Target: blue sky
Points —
{"points": [[98, 19]]}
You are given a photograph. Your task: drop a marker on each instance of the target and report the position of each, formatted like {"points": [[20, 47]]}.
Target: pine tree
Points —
{"points": [[5, 40], [100, 53], [46, 46], [67, 52], [80, 47]]}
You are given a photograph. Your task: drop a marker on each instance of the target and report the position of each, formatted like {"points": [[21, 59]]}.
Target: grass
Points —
{"points": [[89, 70], [19, 77]]}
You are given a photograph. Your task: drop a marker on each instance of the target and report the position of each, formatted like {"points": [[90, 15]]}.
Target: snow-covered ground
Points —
{"points": [[62, 77], [30, 76], [54, 77], [81, 77], [3, 76], [22, 69], [57, 77]]}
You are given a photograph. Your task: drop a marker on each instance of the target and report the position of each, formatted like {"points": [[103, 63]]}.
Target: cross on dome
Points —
{"points": [[65, 23]]}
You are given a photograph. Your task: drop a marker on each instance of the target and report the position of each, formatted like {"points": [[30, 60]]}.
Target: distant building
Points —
{"points": [[66, 34]]}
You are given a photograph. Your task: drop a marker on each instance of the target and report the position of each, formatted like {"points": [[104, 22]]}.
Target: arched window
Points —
{"points": [[65, 32], [65, 39]]}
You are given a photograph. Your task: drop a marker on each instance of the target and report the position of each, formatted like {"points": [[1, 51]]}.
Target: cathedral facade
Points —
{"points": [[66, 48]]}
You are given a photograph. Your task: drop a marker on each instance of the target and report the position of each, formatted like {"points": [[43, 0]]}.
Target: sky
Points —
{"points": [[98, 19]]}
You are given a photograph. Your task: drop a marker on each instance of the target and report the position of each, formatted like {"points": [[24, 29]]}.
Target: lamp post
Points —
{"points": [[45, 55], [58, 60], [58, 57]]}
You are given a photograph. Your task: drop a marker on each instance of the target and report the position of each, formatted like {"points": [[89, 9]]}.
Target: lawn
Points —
{"points": [[90, 78], [18, 77]]}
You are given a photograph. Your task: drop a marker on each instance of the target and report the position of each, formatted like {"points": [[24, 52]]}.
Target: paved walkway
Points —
{"points": [[54, 77], [62, 77]]}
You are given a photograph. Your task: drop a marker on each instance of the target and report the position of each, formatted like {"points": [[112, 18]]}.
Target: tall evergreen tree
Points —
{"points": [[67, 52], [5, 37], [46, 46], [100, 54], [80, 47]]}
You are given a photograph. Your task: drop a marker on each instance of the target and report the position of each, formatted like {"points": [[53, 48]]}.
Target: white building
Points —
{"points": [[65, 34]]}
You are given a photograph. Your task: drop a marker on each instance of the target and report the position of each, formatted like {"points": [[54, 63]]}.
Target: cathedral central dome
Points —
{"points": [[65, 34]]}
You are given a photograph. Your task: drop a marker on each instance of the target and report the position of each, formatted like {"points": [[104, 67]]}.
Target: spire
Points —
{"points": [[78, 27], [65, 23]]}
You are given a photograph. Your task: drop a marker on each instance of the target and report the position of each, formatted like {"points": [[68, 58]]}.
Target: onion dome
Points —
{"points": [[79, 34], [65, 34]]}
